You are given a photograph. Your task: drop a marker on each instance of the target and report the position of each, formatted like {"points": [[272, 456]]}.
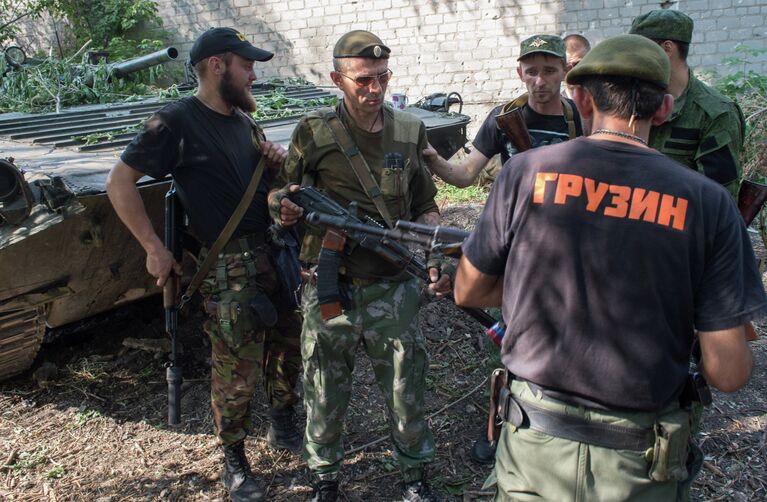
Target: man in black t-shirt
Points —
{"points": [[211, 148], [608, 260], [550, 118]]}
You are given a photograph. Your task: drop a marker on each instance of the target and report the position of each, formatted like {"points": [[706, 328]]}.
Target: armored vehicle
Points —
{"points": [[64, 254]]}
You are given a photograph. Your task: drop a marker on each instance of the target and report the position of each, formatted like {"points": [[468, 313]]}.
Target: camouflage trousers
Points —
{"points": [[384, 322], [534, 466], [240, 294]]}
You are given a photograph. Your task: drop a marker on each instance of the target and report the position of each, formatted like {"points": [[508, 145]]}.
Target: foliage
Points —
{"points": [[30, 459], [54, 84], [104, 20], [454, 195], [56, 473], [14, 11], [83, 417], [749, 89]]}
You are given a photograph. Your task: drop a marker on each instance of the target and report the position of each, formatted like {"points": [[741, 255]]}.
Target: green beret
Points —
{"points": [[663, 24], [624, 56], [360, 44], [547, 44]]}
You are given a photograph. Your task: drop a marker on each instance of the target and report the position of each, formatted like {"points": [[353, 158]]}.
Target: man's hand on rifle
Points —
{"points": [[283, 210], [160, 263], [439, 284], [274, 155]]}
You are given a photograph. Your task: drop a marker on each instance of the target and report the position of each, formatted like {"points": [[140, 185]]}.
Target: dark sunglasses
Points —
{"points": [[368, 80]]}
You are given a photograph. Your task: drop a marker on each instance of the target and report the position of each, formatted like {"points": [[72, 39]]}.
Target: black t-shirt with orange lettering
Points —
{"points": [[211, 158], [612, 256]]}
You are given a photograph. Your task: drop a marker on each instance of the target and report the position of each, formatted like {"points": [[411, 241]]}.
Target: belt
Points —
{"points": [[526, 414], [251, 242]]}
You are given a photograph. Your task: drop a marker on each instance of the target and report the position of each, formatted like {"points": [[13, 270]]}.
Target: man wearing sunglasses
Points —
{"points": [[550, 118], [381, 302]]}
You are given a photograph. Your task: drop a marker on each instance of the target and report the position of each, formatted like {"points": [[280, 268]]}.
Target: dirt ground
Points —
{"points": [[97, 431]]}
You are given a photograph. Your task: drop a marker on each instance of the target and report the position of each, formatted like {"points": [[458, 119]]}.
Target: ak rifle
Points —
{"points": [[343, 225]]}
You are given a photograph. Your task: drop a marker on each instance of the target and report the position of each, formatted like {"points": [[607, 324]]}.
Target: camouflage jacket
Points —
{"points": [[704, 132]]}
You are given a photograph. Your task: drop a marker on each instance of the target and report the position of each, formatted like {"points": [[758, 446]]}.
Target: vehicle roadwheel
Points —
{"points": [[15, 56], [21, 333]]}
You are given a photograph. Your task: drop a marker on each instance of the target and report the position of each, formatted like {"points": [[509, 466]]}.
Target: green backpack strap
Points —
{"points": [[517, 102], [567, 108]]}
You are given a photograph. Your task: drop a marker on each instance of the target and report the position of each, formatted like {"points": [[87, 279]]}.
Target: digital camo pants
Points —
{"points": [[243, 350], [384, 322]]}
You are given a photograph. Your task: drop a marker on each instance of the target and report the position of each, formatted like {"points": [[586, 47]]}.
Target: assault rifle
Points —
{"points": [[343, 224], [170, 297]]}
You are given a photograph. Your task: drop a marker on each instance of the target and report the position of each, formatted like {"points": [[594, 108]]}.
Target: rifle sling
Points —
{"points": [[358, 163], [226, 233]]}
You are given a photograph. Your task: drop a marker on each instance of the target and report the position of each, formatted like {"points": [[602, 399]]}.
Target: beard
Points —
{"points": [[232, 95]]}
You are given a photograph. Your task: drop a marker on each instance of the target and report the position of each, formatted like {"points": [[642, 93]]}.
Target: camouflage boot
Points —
{"points": [[418, 491], [324, 491], [237, 478], [283, 433]]}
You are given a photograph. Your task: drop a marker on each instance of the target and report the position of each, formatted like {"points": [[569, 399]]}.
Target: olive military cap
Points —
{"points": [[547, 44], [630, 56], [663, 24], [360, 44]]}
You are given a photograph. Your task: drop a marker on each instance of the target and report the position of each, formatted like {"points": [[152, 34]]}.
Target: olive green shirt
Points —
{"points": [[314, 158], [704, 132]]}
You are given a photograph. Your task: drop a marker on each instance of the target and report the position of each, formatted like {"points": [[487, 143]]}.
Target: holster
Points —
{"points": [[499, 390], [513, 125]]}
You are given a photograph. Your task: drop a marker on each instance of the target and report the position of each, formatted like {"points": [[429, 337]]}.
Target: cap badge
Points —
{"points": [[241, 37], [377, 51], [537, 42]]}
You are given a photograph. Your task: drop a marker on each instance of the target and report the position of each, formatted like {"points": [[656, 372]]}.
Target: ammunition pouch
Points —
{"points": [[240, 315]]}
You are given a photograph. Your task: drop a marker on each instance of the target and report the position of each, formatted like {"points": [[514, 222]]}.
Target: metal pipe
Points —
{"points": [[124, 68]]}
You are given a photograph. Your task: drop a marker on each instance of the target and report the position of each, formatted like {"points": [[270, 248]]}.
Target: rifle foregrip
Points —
{"points": [[174, 376]]}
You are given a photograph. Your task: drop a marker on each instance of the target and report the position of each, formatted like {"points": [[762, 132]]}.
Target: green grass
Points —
{"points": [[454, 195]]}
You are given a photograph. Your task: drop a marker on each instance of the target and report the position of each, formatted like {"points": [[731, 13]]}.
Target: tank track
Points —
{"points": [[21, 333]]}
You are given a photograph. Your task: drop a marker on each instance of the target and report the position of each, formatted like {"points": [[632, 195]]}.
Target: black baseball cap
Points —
{"points": [[221, 40]]}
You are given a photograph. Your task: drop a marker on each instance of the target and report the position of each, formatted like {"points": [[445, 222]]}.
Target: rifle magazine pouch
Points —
{"points": [[671, 448], [237, 320]]}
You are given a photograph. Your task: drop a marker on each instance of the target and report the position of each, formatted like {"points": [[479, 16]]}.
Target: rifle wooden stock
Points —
{"points": [[513, 125], [751, 198]]}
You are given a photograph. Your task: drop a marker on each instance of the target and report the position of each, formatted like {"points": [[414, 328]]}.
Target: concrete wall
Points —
{"points": [[440, 45]]}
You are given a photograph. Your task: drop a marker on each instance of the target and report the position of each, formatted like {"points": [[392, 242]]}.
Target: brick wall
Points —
{"points": [[440, 45]]}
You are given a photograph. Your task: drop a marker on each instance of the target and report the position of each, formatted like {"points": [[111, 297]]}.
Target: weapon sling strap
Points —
{"points": [[567, 110], [357, 161], [231, 225]]}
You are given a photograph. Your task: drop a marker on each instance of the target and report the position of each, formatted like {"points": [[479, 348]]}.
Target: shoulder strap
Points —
{"points": [[567, 108], [231, 225], [517, 102], [358, 163]]}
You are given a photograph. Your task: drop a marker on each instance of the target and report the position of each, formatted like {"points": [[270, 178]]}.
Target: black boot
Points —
{"points": [[237, 478], [483, 452], [324, 491], [283, 433], [418, 491]]}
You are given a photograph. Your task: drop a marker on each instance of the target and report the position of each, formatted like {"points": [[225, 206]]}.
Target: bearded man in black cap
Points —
{"points": [[211, 148], [609, 260]]}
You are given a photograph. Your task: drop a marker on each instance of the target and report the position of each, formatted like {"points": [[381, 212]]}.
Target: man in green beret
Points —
{"points": [[596, 347], [705, 130], [550, 117], [379, 167]]}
